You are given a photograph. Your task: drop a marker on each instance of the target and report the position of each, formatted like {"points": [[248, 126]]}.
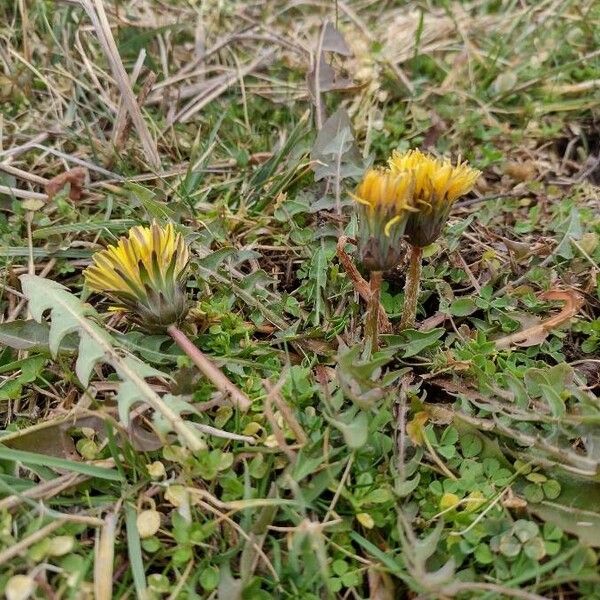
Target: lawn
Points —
{"points": [[297, 375]]}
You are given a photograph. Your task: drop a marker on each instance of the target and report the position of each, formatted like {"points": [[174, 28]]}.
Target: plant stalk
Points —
{"points": [[360, 285], [372, 321], [412, 288], [209, 369]]}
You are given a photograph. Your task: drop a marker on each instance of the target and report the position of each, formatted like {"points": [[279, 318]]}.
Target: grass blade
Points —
{"points": [[31, 458], [134, 550]]}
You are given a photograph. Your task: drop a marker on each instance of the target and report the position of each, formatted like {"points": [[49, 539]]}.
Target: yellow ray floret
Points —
{"points": [[149, 254], [387, 195], [143, 273], [385, 202], [437, 180]]}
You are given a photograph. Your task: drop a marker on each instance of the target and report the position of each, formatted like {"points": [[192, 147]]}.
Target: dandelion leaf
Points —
{"points": [[67, 315]]}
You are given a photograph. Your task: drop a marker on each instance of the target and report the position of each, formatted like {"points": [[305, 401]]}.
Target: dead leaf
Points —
{"points": [[513, 501], [324, 375], [439, 414], [381, 585], [436, 130], [537, 333], [454, 387], [54, 439], [589, 242], [50, 440], [414, 428], [75, 177], [124, 126], [520, 249], [521, 171], [142, 439], [258, 158], [432, 322]]}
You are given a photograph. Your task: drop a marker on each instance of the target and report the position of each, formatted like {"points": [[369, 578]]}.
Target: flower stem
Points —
{"points": [[372, 321], [360, 285], [209, 369], [412, 288]]}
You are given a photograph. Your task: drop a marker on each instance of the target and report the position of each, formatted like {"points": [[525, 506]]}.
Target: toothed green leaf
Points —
{"points": [[69, 315]]}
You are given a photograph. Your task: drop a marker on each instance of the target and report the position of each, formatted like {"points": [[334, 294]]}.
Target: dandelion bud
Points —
{"points": [[384, 201], [437, 186], [144, 276]]}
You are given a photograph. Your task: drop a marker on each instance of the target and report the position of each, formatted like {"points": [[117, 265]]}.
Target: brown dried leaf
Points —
{"points": [[433, 321], [537, 333], [519, 249], [75, 177], [381, 585], [521, 171], [324, 375], [514, 502]]}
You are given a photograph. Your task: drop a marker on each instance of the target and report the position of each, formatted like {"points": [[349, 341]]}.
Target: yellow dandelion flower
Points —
{"points": [[384, 201], [437, 185], [143, 274]]}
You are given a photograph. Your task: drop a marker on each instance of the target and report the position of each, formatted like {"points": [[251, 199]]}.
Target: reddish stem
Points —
{"points": [[209, 369], [372, 322], [412, 288]]}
